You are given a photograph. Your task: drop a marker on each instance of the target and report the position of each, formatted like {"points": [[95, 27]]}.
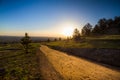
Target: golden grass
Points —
{"points": [[73, 68]]}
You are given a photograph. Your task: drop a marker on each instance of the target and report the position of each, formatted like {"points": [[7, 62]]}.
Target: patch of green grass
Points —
{"points": [[18, 65], [112, 41], [105, 37]]}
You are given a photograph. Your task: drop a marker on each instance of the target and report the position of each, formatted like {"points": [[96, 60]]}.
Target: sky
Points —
{"points": [[50, 17]]}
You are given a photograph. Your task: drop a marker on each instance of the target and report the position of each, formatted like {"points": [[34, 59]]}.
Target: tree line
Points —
{"points": [[103, 27]]}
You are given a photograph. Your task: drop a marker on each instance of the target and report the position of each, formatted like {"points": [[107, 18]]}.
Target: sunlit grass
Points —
{"points": [[112, 41], [106, 37], [17, 64]]}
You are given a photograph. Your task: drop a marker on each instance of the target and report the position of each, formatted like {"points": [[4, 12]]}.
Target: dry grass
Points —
{"points": [[16, 64], [73, 68]]}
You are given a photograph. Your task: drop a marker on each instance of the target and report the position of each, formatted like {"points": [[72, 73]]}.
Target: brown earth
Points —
{"points": [[55, 64], [47, 71]]}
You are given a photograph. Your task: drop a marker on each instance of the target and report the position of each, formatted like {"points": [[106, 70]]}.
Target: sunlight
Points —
{"points": [[68, 31]]}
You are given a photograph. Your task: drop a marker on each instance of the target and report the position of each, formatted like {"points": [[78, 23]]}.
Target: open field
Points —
{"points": [[16, 65], [105, 37], [74, 68], [110, 41]]}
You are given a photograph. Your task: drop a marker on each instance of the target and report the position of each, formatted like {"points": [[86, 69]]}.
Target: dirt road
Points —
{"points": [[73, 68]]}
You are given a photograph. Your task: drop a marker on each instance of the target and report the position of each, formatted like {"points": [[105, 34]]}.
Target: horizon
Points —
{"points": [[31, 36], [52, 18]]}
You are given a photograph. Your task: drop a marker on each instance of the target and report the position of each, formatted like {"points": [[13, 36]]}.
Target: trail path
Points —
{"points": [[74, 68]]}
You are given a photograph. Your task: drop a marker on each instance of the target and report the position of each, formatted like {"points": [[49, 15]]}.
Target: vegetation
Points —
{"points": [[86, 30], [15, 65], [48, 40], [76, 35], [60, 39], [25, 41], [55, 39], [111, 41], [103, 27]]}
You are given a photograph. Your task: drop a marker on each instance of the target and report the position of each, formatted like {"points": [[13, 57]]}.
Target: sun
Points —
{"points": [[68, 31]]}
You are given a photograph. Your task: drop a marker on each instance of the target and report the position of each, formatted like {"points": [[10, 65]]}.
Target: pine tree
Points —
{"points": [[25, 41], [76, 35]]}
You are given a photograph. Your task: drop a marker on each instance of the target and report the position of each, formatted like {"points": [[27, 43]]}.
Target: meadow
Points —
{"points": [[106, 41], [17, 65]]}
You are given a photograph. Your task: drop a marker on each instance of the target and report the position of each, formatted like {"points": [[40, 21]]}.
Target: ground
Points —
{"points": [[46, 68], [74, 68], [17, 65]]}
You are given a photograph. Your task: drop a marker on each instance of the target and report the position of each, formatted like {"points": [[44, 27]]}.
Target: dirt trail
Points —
{"points": [[73, 68], [47, 71]]}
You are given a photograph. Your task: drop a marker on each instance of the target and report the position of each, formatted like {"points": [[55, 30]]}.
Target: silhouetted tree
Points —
{"points": [[25, 41], [102, 24], [117, 22], [68, 38], [109, 23], [86, 30], [60, 39], [55, 39], [48, 40], [96, 30], [76, 35]]}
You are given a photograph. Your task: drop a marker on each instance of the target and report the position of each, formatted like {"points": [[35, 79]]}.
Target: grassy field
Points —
{"points": [[16, 65], [111, 41]]}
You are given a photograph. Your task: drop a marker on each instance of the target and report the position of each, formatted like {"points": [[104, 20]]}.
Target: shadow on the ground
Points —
{"points": [[46, 68]]}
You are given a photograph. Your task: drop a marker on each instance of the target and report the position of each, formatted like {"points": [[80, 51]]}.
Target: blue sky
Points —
{"points": [[49, 17]]}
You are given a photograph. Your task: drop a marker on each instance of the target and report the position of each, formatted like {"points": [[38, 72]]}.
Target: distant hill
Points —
{"points": [[17, 39]]}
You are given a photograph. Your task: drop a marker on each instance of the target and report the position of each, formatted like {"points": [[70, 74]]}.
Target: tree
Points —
{"points": [[60, 39], [48, 40], [25, 41], [68, 38], [55, 39], [96, 30], [76, 35], [117, 22], [107, 26], [86, 30], [102, 23]]}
